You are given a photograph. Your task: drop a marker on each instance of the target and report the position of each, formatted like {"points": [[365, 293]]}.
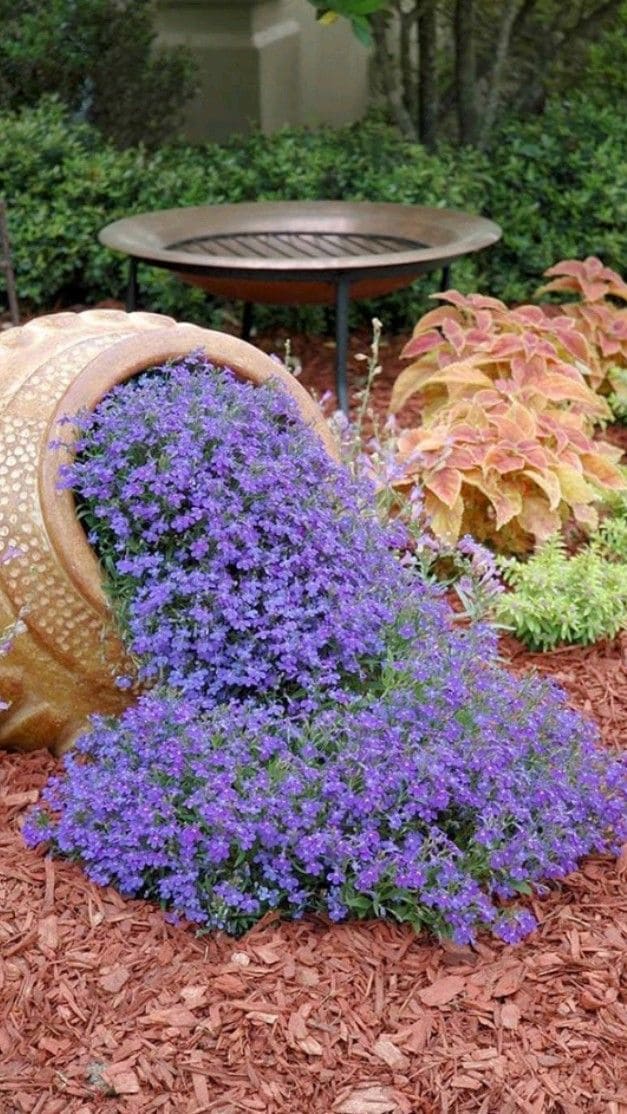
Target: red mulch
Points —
{"points": [[105, 1007], [316, 356]]}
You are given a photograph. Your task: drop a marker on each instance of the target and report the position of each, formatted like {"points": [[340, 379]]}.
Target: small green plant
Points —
{"points": [[617, 400], [558, 599], [611, 536]]}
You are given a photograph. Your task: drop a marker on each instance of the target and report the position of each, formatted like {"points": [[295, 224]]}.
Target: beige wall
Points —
{"points": [[265, 63]]}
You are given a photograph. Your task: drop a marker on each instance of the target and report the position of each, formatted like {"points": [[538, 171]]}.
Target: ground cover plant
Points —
{"points": [[369, 758], [505, 448], [559, 598]]}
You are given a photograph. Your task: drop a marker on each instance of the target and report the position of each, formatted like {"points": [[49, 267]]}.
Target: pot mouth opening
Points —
{"points": [[125, 359]]}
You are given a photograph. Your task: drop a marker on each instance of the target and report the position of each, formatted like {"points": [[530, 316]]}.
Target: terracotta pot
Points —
{"points": [[62, 666]]}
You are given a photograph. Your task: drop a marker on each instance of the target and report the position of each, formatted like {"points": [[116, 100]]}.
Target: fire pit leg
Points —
{"points": [[445, 281], [131, 289], [248, 317], [342, 300]]}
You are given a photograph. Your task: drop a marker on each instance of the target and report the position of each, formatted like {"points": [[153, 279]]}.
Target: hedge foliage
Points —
{"points": [[555, 184], [101, 59]]}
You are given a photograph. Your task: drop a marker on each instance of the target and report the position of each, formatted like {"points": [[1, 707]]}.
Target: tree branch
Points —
{"points": [[427, 74], [495, 81], [391, 87], [407, 21], [466, 71]]}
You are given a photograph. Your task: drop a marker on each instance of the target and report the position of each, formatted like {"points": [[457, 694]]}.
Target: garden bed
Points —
{"points": [[109, 1007]]}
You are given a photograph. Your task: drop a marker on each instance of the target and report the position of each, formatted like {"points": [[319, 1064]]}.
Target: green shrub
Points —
{"points": [[559, 599], [559, 191], [556, 187], [99, 58]]}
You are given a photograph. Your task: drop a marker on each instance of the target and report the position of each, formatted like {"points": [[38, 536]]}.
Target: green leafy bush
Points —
{"points": [[99, 58], [560, 599], [63, 182], [559, 191]]}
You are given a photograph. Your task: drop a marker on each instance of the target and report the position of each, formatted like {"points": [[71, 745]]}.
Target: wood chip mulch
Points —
{"points": [[106, 1007]]}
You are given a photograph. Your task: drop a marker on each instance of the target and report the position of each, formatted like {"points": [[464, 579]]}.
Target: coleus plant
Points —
{"points": [[505, 450], [599, 320]]}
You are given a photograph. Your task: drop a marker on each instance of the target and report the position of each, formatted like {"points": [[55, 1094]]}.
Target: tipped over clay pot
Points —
{"points": [[61, 666]]}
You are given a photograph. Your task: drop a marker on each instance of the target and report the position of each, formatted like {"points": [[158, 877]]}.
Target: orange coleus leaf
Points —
{"points": [[537, 518], [603, 471], [528, 317], [434, 318], [521, 419], [503, 459], [569, 371], [487, 398], [470, 301], [470, 433], [588, 277], [570, 338], [557, 388], [535, 345], [455, 335], [446, 483], [465, 457], [505, 498], [423, 440], [577, 439], [534, 454], [611, 452], [585, 515], [548, 483], [502, 348], [591, 291], [421, 343], [550, 428], [408, 383]]}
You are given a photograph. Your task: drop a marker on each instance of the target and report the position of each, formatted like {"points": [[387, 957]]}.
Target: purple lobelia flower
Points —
{"points": [[320, 736], [241, 558]]}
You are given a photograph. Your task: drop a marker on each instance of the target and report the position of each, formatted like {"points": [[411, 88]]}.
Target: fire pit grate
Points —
{"points": [[295, 245]]}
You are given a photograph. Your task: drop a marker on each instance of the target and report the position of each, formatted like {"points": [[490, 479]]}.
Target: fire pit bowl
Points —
{"points": [[297, 253]]}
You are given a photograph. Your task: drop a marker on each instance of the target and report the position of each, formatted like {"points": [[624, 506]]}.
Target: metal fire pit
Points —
{"points": [[294, 252]]}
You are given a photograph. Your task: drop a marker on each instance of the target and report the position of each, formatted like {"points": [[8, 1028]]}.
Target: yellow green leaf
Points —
{"points": [[409, 382], [548, 483], [462, 373], [601, 470], [445, 521], [573, 485]]}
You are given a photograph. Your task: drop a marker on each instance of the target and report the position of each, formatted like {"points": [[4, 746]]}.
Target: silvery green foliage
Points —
{"points": [[557, 599]]}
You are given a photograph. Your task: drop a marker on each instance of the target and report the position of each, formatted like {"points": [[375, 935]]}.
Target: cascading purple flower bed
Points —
{"points": [[319, 735]]}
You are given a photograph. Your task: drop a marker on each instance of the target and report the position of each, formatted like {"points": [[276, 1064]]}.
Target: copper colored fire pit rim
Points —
{"points": [[448, 234]]}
